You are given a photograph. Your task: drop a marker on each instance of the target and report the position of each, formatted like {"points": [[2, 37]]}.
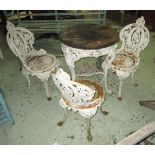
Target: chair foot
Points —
{"points": [[47, 91], [49, 98], [64, 120], [104, 112], [119, 98], [60, 123], [89, 135]]}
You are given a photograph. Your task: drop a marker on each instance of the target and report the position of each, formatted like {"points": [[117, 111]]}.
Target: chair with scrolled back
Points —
{"points": [[134, 38], [35, 62], [83, 96]]}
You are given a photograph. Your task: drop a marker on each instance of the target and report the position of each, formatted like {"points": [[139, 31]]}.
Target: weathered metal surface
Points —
{"points": [[35, 62], [99, 94], [41, 63], [88, 36], [74, 54], [134, 38], [125, 61], [83, 96]]}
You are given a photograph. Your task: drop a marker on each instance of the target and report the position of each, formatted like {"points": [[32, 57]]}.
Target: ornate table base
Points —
{"points": [[74, 54]]}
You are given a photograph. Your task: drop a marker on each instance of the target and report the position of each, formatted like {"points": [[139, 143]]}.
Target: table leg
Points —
{"points": [[72, 69], [71, 65], [26, 74], [70, 60]]}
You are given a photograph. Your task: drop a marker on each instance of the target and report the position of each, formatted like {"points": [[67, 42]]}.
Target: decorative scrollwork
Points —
{"points": [[35, 62], [71, 90], [134, 37], [20, 41]]}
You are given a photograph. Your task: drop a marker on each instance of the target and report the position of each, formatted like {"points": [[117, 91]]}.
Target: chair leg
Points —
{"points": [[105, 69], [89, 135], [121, 81], [133, 72], [47, 90], [24, 72], [103, 111], [109, 91], [64, 119]]}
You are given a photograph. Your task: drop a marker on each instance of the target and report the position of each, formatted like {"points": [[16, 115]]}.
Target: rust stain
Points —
{"points": [[88, 36], [124, 60], [98, 97]]}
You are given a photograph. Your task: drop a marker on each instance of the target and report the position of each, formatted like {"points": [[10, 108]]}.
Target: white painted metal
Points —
{"points": [[74, 54], [134, 38], [77, 94], [35, 62]]}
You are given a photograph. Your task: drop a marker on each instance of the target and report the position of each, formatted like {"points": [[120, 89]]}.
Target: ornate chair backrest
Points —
{"points": [[71, 90], [20, 41], [135, 37]]}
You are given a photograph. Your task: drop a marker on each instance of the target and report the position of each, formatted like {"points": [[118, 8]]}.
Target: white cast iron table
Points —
{"points": [[88, 40]]}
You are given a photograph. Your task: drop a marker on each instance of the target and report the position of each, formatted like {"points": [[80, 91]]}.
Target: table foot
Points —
{"points": [[119, 98], [49, 98]]}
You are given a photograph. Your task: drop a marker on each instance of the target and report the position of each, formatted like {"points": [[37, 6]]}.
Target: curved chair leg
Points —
{"points": [[121, 81], [24, 72], [47, 90], [105, 68], [133, 72], [89, 135], [109, 91], [64, 119]]}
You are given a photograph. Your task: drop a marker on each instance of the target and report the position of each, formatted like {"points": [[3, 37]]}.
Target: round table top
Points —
{"points": [[88, 36]]}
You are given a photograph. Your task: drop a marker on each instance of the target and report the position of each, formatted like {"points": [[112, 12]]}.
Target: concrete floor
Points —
{"points": [[36, 118]]}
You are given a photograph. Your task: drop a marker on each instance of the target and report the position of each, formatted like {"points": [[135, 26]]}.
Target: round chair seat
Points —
{"points": [[42, 63], [124, 62], [96, 100]]}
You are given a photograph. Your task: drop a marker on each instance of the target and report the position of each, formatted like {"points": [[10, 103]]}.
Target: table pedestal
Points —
{"points": [[74, 54]]}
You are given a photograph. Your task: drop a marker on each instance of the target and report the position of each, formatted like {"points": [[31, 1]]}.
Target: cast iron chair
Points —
{"points": [[83, 96], [37, 63], [134, 38]]}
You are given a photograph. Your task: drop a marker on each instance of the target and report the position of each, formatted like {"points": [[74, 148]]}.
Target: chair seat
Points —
{"points": [[41, 63], [89, 109], [125, 62]]}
